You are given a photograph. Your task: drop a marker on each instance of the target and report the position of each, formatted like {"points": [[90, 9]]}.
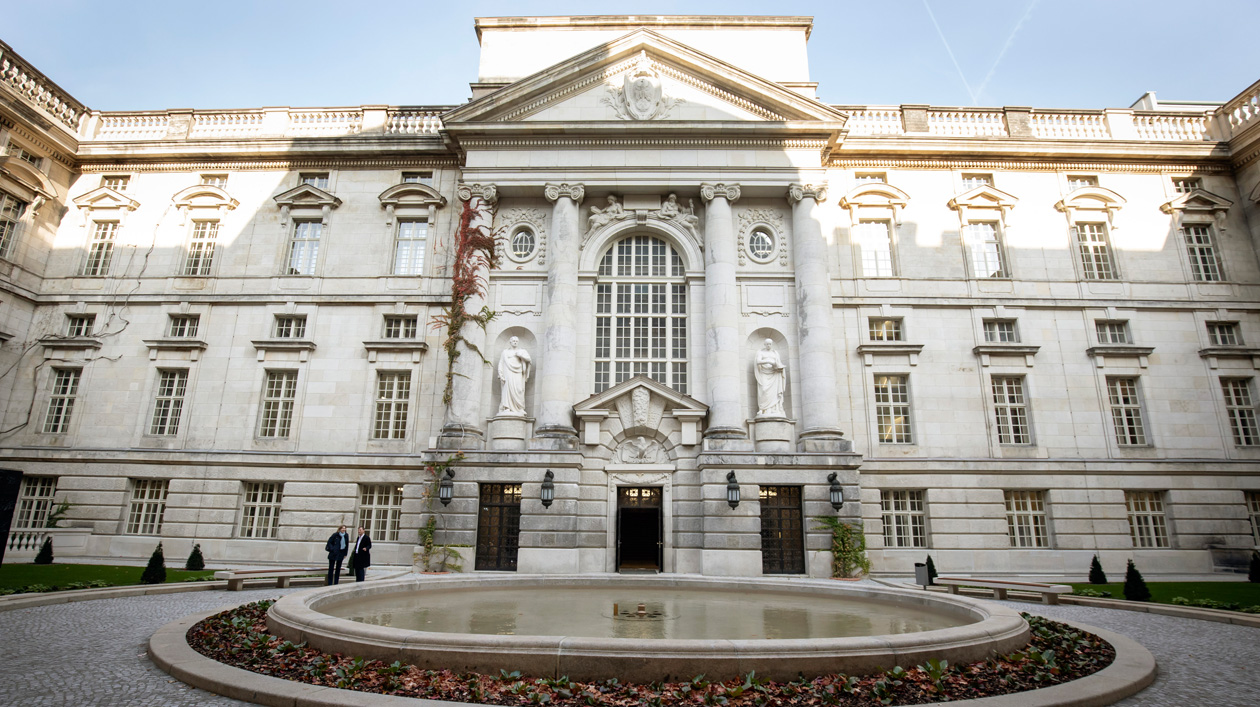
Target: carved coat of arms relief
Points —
{"points": [[640, 96]]}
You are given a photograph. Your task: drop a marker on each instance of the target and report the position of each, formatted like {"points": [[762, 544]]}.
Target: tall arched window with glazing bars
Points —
{"points": [[641, 314]]}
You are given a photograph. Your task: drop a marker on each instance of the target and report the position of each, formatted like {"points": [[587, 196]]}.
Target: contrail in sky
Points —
{"points": [[1010, 39], [944, 41]]}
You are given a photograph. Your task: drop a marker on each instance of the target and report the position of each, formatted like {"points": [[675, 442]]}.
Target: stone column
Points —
{"points": [[461, 427], [820, 405], [721, 309], [559, 342]]}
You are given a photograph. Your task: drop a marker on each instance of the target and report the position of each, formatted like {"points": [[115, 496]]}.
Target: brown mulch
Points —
{"points": [[1057, 653]]}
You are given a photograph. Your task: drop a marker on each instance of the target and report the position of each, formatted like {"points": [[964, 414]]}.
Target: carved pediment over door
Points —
{"points": [[640, 410]]}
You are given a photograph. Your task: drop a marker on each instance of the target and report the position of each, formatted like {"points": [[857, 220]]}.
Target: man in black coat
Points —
{"points": [[362, 554], [338, 546]]}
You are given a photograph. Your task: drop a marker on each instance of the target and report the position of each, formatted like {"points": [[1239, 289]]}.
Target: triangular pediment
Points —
{"points": [[105, 198], [307, 195], [608, 400], [983, 197], [1197, 201], [665, 79]]}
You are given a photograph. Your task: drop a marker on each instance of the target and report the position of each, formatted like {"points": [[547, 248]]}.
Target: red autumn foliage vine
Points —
{"points": [[474, 254]]}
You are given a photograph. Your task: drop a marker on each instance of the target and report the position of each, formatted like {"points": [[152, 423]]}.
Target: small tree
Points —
{"points": [[45, 556], [1253, 572], [195, 562], [1134, 586], [931, 570], [1096, 574], [155, 571]]}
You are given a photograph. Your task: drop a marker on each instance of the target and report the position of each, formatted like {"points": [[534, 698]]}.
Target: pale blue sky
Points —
{"points": [[142, 55]]}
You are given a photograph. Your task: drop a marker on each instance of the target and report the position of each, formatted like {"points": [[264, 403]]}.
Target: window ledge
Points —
{"points": [[1100, 354], [79, 343], [889, 348], [986, 351], [1213, 354], [302, 346], [414, 347]]}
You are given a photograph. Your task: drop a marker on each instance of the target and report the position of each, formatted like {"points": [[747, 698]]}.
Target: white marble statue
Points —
{"points": [[769, 372], [609, 213], [514, 369]]}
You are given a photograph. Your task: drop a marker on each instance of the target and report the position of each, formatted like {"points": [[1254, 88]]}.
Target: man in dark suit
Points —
{"points": [[362, 554], [337, 546]]}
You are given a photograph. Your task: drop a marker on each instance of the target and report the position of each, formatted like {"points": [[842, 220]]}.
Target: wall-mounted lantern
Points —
{"points": [[732, 490], [446, 488], [837, 493], [548, 489]]}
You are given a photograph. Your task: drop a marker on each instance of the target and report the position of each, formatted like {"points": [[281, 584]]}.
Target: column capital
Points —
{"points": [[488, 192], [553, 192], [799, 192], [709, 192]]}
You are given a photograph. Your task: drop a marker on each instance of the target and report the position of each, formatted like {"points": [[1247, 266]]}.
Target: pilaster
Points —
{"points": [[555, 428]]}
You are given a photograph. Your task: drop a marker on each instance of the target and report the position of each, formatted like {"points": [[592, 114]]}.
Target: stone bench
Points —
{"points": [[236, 578], [1049, 592]]}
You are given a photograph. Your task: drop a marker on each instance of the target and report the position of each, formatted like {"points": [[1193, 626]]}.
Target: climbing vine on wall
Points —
{"points": [[474, 255], [435, 557]]}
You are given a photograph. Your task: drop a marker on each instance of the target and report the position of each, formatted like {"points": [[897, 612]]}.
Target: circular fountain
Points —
{"points": [[645, 628]]}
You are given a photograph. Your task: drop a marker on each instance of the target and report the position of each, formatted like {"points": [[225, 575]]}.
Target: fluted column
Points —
{"points": [[559, 343], [461, 426], [725, 429], [820, 406]]}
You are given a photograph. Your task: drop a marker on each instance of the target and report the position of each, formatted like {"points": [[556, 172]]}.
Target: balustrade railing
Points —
{"points": [[38, 89], [226, 124], [325, 122], [1171, 127], [1243, 109], [1073, 126], [67, 542], [144, 126], [966, 123], [413, 122], [875, 121]]}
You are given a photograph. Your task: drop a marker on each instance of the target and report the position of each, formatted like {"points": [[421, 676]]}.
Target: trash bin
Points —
{"points": [[921, 576]]}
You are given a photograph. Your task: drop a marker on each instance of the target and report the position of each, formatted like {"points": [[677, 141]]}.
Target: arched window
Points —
{"points": [[641, 314]]}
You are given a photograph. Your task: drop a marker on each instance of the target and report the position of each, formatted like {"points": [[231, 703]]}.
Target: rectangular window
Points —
{"points": [[117, 182], [148, 506], [215, 180], [23, 154], [79, 325], [870, 178], [1026, 518], [905, 522], [1076, 181], [883, 329], [892, 409], [984, 248], [971, 181], [1253, 510], [260, 512], [409, 245], [65, 390], [1147, 525], [1011, 409], [290, 327], [279, 393], [1126, 412], [1112, 331], [35, 502], [304, 247], [319, 180], [168, 404], [1205, 266], [183, 326], [101, 249], [401, 326], [1185, 185], [875, 240], [380, 510], [1224, 334], [393, 393], [1095, 250], [11, 210], [201, 248], [425, 178], [1241, 411], [1001, 331]]}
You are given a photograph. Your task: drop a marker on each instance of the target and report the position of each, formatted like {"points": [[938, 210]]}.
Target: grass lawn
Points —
{"points": [[15, 576], [1245, 593]]}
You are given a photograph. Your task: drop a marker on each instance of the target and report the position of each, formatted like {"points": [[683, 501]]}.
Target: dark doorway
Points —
{"points": [[498, 527], [782, 531], [640, 541]]}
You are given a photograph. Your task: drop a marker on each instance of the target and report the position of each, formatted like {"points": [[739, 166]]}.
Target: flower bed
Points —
{"points": [[1057, 653]]}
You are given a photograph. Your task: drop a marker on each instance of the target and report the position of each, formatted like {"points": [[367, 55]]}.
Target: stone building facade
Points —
{"points": [[1012, 338]]}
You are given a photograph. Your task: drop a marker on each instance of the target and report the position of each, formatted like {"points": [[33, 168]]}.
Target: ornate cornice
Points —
{"points": [[258, 165], [568, 90], [644, 141], [573, 191], [1027, 165], [799, 192], [712, 90], [730, 192], [487, 192]]}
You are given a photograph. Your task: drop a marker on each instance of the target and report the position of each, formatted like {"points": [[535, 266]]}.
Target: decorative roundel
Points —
{"points": [[522, 244], [761, 244]]}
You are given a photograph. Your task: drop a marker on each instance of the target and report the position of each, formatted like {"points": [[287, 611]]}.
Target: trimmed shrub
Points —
{"points": [[1134, 586], [195, 562], [1096, 574], [931, 570], [155, 571], [45, 556]]}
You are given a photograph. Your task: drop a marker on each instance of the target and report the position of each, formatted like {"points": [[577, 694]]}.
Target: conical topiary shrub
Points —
{"points": [[1134, 586], [195, 562], [931, 570], [1096, 574], [45, 556], [1253, 573], [155, 571]]}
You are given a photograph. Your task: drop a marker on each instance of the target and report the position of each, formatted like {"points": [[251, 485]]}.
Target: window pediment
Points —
{"points": [[411, 194], [640, 403], [1199, 202], [26, 182], [306, 196], [1091, 199], [982, 197], [204, 196], [875, 195], [106, 198]]}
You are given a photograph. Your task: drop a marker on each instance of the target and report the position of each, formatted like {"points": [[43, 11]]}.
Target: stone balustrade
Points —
{"points": [[1178, 127], [135, 126], [226, 124], [67, 542], [1076, 125], [413, 122], [266, 122], [21, 77], [875, 121], [966, 123], [1243, 109]]}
